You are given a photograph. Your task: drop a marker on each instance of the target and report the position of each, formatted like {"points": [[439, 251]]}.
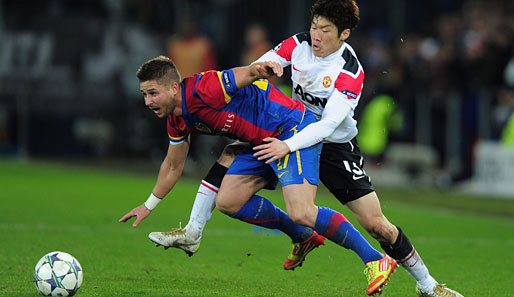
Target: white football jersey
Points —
{"points": [[318, 79]]}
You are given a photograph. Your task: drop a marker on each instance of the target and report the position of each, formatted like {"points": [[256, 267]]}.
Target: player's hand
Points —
{"points": [[268, 69], [140, 212], [273, 149]]}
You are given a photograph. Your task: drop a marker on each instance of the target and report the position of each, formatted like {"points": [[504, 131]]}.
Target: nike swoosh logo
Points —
{"points": [[294, 68], [358, 177], [280, 175]]}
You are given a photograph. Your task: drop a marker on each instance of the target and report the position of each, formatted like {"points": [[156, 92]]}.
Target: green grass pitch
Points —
{"points": [[466, 242]]}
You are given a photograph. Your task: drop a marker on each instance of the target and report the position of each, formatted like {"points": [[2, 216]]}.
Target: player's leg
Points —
{"points": [[237, 199], [298, 174], [341, 170], [258, 210], [188, 238], [205, 199], [396, 244], [299, 199], [334, 226]]}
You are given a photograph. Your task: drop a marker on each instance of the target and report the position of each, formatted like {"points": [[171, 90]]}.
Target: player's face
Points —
{"points": [[159, 98], [324, 37]]}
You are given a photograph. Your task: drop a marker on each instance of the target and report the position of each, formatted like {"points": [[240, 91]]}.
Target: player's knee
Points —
{"points": [[223, 205], [226, 206], [380, 229], [302, 217]]}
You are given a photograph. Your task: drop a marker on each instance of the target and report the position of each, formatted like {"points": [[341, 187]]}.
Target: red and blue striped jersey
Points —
{"points": [[212, 104]]}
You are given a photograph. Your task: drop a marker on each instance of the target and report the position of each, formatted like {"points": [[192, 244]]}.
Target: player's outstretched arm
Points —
{"points": [[248, 74], [169, 173]]}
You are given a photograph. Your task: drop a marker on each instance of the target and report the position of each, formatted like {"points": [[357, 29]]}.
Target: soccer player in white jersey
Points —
{"points": [[328, 78]]}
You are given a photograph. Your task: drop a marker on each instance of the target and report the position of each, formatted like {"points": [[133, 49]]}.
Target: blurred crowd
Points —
{"points": [[452, 79], [67, 83]]}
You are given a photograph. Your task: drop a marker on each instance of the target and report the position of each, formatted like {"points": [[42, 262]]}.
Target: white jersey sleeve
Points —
{"points": [[281, 53], [336, 110], [273, 57]]}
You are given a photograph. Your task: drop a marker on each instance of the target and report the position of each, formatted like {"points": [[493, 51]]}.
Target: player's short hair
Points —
{"points": [[162, 69], [343, 13]]}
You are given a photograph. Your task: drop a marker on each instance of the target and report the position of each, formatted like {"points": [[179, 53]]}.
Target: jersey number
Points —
{"points": [[357, 172]]}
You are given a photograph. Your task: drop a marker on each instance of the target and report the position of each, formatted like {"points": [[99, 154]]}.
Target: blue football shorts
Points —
{"points": [[291, 169]]}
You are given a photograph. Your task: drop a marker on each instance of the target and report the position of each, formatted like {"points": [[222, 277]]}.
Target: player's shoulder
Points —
{"points": [[209, 74], [351, 63], [303, 37], [295, 40], [207, 79], [214, 89], [286, 48]]}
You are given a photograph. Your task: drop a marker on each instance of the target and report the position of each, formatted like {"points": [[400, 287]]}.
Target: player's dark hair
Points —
{"points": [[343, 13], [161, 69]]}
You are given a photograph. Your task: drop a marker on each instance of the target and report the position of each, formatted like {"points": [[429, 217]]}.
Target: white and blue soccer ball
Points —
{"points": [[58, 274]]}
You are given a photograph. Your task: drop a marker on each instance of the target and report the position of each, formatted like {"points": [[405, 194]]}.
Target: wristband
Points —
{"points": [[152, 202]]}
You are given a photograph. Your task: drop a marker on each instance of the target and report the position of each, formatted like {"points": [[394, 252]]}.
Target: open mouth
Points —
{"points": [[155, 109]]}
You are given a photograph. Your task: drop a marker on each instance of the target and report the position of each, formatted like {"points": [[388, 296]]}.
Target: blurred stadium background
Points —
{"points": [[436, 111]]}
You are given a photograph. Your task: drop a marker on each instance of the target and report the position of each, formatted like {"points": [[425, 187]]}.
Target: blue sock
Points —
{"points": [[338, 229], [261, 212]]}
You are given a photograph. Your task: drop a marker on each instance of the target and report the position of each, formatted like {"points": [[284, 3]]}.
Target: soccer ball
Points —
{"points": [[58, 274]]}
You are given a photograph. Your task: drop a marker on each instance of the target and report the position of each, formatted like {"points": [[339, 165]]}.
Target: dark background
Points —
{"points": [[68, 87]]}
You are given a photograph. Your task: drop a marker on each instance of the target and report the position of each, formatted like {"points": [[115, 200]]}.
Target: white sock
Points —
{"points": [[417, 269], [204, 204]]}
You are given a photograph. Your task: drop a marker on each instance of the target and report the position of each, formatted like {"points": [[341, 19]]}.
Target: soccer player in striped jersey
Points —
{"points": [[232, 103], [328, 78]]}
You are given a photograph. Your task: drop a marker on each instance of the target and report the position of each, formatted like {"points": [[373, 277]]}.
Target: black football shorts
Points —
{"points": [[341, 171]]}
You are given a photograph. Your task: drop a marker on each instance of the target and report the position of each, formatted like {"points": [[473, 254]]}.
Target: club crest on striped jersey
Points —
{"points": [[327, 81], [201, 127]]}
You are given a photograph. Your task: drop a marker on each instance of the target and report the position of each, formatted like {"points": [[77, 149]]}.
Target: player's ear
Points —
{"points": [[175, 88], [345, 34]]}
